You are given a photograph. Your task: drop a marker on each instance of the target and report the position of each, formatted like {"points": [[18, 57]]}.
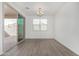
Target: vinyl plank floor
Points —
{"points": [[39, 47]]}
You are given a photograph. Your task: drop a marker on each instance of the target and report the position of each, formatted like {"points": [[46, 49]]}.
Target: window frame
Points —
{"points": [[41, 24]]}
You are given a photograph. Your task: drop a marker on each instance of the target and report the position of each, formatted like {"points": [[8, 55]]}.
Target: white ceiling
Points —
{"points": [[50, 8], [30, 8]]}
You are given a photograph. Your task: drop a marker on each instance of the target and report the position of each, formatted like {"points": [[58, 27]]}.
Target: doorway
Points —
{"points": [[13, 27]]}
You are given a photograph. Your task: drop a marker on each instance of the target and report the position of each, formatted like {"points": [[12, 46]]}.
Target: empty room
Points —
{"points": [[39, 28]]}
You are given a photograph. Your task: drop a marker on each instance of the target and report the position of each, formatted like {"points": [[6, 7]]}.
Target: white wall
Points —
{"points": [[1, 27], [30, 33], [67, 26]]}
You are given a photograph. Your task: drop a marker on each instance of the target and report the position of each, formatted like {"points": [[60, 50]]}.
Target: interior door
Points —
{"points": [[21, 28]]}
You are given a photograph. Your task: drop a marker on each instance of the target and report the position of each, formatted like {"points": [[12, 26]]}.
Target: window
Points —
{"points": [[40, 24], [43, 24]]}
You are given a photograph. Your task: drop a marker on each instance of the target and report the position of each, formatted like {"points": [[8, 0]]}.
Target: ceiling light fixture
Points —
{"points": [[40, 12]]}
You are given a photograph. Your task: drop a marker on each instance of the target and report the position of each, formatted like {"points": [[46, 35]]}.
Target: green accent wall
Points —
{"points": [[20, 22]]}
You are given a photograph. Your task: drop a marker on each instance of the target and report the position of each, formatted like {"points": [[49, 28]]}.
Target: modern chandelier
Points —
{"points": [[40, 12]]}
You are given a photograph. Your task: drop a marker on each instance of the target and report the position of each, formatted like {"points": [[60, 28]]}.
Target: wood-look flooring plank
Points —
{"points": [[40, 47]]}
